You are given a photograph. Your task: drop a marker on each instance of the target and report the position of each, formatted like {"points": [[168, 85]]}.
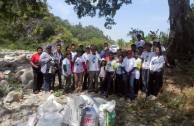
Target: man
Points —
{"points": [[128, 66], [38, 76], [58, 56], [73, 51], [86, 76], [82, 49], [102, 53], [93, 68], [139, 42], [119, 53], [146, 58], [47, 68]]}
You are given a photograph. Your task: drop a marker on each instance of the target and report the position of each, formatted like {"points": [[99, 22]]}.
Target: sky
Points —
{"points": [[145, 15]]}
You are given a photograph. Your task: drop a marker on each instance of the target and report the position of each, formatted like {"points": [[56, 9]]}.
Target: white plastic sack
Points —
{"points": [[75, 105], [90, 117]]}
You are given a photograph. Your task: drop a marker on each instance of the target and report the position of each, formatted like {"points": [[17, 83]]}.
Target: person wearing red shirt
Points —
{"points": [[38, 76]]}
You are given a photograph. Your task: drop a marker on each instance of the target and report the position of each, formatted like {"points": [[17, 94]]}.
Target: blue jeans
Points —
{"points": [[48, 80], [129, 86], [109, 76], [145, 80]]}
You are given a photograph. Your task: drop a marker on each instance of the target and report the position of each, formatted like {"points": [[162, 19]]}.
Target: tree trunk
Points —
{"points": [[181, 38]]}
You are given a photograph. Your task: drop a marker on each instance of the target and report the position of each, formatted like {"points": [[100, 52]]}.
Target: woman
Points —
{"points": [[79, 68], [156, 66]]}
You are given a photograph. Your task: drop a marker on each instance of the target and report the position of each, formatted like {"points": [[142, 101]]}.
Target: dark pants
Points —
{"points": [[58, 73], [86, 81], [145, 80], [109, 87], [102, 85], [155, 82], [67, 88], [136, 86], [119, 84], [38, 80], [129, 86], [48, 80]]}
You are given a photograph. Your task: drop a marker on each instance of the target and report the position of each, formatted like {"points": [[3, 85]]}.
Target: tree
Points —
{"points": [[181, 38], [181, 20], [121, 43]]}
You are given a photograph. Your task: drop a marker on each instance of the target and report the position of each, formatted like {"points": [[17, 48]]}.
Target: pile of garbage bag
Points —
{"points": [[82, 110]]}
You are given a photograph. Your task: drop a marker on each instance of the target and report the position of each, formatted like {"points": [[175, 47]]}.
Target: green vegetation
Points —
{"points": [[30, 24]]}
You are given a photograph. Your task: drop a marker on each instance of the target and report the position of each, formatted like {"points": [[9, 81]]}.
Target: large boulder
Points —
{"points": [[13, 96], [3, 83], [8, 58], [27, 76]]}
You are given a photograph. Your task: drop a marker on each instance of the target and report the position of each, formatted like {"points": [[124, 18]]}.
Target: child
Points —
{"points": [[119, 77], [102, 76], [156, 65], [137, 72], [66, 71]]}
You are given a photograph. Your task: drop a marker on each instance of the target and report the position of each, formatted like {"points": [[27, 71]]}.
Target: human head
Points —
{"points": [[133, 47], [136, 54], [140, 49], [120, 58], [119, 52], [79, 52], [93, 49], [129, 54], [103, 62], [148, 46], [158, 50], [138, 37], [105, 45], [87, 49], [68, 56], [81, 46], [73, 47], [48, 48], [68, 49], [39, 50], [111, 56], [58, 47]]}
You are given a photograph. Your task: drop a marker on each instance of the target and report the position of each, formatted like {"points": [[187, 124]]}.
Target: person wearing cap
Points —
{"points": [[79, 69], [110, 74], [92, 64], [47, 67], [38, 76], [58, 56], [146, 58], [128, 66], [86, 76], [139, 41]]}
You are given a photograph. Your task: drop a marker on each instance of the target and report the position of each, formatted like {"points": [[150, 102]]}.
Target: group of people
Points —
{"points": [[104, 72]]}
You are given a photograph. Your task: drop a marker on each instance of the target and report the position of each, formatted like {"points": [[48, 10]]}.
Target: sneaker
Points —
{"points": [[152, 97]]}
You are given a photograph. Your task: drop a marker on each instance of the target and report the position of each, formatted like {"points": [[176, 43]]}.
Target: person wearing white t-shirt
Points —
{"points": [[78, 70], [93, 69], [139, 42], [156, 66], [110, 73], [66, 71], [137, 72], [102, 75], [146, 58], [86, 76], [119, 86], [129, 65], [73, 51]]}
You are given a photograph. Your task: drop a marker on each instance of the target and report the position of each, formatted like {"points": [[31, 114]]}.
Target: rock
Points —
{"points": [[4, 111], [8, 58], [3, 83], [13, 96], [30, 84], [7, 72], [26, 77], [28, 56]]}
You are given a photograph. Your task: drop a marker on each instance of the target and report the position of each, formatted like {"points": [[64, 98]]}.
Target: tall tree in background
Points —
{"points": [[181, 39]]}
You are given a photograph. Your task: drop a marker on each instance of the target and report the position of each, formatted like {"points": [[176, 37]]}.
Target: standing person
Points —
{"points": [[73, 50], [139, 41], [156, 65], [58, 56], [146, 58], [119, 86], [79, 69], [93, 69], [119, 52], [140, 49], [110, 74], [128, 66], [68, 49], [82, 49], [47, 68], [133, 48], [66, 71], [38, 76], [102, 75], [137, 72], [106, 47], [86, 76]]}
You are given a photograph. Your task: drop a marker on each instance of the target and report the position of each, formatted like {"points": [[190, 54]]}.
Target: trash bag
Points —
{"points": [[75, 107], [90, 117]]}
